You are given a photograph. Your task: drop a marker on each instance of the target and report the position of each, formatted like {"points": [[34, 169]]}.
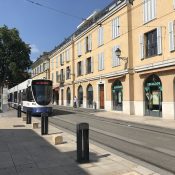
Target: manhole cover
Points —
{"points": [[15, 126]]}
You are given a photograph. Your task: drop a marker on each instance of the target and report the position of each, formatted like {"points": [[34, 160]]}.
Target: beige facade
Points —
{"points": [[140, 81], [40, 68]]}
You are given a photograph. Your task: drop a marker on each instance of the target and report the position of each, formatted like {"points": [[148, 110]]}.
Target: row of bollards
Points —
{"points": [[44, 120], [82, 134]]}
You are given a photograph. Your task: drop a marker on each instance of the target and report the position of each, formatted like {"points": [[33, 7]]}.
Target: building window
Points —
{"points": [[53, 77], [171, 31], [68, 73], [88, 43], [57, 77], [101, 61], [79, 49], [62, 59], [89, 65], [115, 28], [52, 63], [56, 62], [100, 36], [62, 75], [79, 68], [38, 70], [117, 96], [68, 96], [151, 43], [67, 55], [149, 10], [90, 96]]}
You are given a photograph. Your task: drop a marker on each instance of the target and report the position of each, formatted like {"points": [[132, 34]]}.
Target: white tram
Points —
{"points": [[33, 95]]}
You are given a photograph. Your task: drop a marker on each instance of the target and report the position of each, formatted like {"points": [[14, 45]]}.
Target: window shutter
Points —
{"points": [[113, 56], [102, 60], [99, 37], [153, 9], [145, 11], [76, 69], [85, 49], [171, 36], [99, 61], [92, 65], [102, 36], [141, 41], [113, 28], [90, 42], [85, 66], [159, 40], [82, 67], [117, 26]]}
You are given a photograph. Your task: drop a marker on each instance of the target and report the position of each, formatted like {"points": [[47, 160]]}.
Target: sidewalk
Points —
{"points": [[147, 120], [23, 151]]}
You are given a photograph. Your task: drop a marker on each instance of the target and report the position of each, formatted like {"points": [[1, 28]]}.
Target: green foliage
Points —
{"points": [[14, 57]]}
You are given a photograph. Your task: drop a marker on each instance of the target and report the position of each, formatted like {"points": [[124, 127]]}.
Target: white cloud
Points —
{"points": [[34, 49]]}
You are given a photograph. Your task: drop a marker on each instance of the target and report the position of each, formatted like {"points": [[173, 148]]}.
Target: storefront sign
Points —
{"points": [[117, 87], [154, 84]]}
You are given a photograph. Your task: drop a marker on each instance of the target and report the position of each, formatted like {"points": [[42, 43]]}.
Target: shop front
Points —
{"points": [[80, 96], [117, 96], [153, 96], [68, 96], [89, 96]]}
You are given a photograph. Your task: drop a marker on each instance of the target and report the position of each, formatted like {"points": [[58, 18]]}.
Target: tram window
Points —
{"points": [[29, 94], [15, 97], [24, 98]]}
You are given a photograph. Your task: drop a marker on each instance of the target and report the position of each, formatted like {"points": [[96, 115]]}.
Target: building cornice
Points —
{"points": [[161, 64], [102, 76]]}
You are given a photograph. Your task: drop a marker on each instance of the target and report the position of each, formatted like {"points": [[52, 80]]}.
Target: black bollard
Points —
{"points": [[83, 142], [29, 117], [19, 111], [44, 123]]}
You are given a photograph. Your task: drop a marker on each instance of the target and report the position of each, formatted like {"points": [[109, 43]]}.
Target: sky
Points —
{"points": [[44, 28]]}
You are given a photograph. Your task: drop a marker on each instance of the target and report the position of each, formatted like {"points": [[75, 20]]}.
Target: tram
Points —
{"points": [[33, 95]]}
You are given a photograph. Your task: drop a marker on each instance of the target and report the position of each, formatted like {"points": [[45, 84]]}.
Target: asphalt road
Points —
{"points": [[154, 145]]}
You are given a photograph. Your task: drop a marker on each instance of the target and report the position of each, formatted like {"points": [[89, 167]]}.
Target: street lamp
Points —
{"points": [[118, 54]]}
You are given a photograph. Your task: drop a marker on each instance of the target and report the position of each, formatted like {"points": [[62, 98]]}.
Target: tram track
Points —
{"points": [[155, 156]]}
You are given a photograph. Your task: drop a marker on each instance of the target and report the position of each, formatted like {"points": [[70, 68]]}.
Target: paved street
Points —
{"points": [[23, 151], [145, 142]]}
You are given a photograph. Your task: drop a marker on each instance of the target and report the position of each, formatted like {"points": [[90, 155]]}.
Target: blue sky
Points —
{"points": [[42, 28]]}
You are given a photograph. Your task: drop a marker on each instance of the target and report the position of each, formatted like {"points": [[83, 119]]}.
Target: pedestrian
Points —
{"points": [[75, 102]]}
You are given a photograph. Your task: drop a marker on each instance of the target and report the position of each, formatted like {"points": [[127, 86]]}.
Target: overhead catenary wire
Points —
{"points": [[109, 21], [56, 10]]}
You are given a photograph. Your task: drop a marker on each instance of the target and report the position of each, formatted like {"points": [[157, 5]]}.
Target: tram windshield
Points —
{"points": [[42, 91]]}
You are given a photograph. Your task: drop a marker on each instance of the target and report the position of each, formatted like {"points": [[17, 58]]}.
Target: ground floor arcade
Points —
{"points": [[143, 93]]}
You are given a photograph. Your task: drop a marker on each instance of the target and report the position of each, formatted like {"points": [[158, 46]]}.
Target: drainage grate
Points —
{"points": [[18, 126]]}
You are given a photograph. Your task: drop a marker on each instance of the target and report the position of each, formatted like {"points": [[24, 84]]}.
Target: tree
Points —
{"points": [[14, 57]]}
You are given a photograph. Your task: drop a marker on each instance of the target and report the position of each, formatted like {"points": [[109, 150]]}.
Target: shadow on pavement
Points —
{"points": [[60, 112], [24, 152]]}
